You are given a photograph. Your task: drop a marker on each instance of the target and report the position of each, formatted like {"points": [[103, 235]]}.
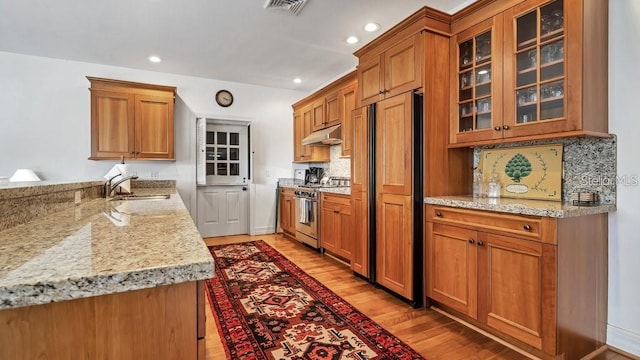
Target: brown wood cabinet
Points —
{"points": [[535, 71], [131, 120], [394, 179], [517, 276], [287, 212], [161, 322], [360, 190], [327, 107], [302, 126], [336, 227], [347, 102], [396, 70]]}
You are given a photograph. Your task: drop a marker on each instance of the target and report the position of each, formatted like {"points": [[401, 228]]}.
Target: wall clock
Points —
{"points": [[224, 98]]}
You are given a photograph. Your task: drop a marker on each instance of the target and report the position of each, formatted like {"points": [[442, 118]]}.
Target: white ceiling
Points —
{"points": [[233, 40]]}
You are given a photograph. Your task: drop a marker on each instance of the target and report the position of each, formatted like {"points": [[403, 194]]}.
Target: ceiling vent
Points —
{"points": [[292, 7]]}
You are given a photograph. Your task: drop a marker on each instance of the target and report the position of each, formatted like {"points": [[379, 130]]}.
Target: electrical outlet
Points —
{"points": [[155, 174], [78, 197], [267, 173]]}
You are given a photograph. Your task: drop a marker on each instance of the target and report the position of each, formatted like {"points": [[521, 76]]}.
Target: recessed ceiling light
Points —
{"points": [[352, 40], [154, 59], [371, 27], [297, 80]]}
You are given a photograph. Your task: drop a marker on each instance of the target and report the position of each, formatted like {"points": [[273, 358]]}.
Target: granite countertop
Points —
{"points": [[345, 190], [552, 209], [101, 247]]}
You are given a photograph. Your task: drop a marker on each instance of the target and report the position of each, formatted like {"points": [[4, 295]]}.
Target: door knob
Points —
{"points": [[244, 188]]}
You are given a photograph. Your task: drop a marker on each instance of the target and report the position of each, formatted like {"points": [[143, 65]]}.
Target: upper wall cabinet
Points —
{"points": [[475, 82], [538, 70], [327, 107], [131, 120], [394, 71]]}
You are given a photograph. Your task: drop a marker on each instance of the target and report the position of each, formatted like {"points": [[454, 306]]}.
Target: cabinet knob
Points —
{"points": [[480, 243], [438, 214], [381, 92], [505, 127], [497, 128], [527, 227], [471, 241]]}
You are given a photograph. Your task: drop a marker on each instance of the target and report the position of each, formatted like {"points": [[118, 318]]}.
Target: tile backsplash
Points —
{"points": [[339, 166], [589, 165]]}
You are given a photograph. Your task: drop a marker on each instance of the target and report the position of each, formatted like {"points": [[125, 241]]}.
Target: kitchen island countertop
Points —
{"points": [[554, 209], [101, 247]]}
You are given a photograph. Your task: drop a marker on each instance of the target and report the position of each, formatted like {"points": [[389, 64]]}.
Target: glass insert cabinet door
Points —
{"points": [[475, 63], [223, 153], [540, 64]]}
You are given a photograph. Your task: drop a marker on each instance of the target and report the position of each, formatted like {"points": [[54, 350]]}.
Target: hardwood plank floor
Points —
{"points": [[430, 333]]}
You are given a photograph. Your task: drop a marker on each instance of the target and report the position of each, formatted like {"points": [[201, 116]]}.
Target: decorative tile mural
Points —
{"points": [[531, 172], [589, 164]]}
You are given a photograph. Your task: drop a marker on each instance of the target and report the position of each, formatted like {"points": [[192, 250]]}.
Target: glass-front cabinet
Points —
{"points": [[537, 70], [476, 90], [536, 43]]}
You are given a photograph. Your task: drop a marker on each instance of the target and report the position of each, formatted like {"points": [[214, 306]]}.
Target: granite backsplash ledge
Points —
{"points": [[25, 202], [589, 164]]}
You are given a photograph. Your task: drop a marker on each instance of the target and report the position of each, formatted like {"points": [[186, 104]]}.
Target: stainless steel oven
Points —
{"points": [[306, 212]]}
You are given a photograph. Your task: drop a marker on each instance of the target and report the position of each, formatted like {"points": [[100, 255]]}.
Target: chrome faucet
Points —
{"points": [[109, 188]]}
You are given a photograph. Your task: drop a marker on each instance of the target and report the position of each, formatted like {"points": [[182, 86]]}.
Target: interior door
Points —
{"points": [[223, 177], [223, 210]]}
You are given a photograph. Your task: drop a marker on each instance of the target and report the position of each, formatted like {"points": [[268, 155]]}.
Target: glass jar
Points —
{"points": [[494, 187]]}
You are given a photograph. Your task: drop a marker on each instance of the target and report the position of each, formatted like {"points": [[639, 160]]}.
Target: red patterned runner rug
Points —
{"points": [[266, 307]]}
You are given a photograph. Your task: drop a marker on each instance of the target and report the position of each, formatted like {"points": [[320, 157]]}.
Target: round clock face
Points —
{"points": [[224, 98]]}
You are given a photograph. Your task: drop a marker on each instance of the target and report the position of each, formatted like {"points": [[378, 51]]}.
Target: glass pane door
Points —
{"points": [[227, 154], [540, 70], [475, 74]]}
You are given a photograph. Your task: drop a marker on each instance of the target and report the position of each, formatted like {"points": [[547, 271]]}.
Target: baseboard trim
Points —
{"points": [[596, 352], [490, 336], [263, 230], [623, 341]]}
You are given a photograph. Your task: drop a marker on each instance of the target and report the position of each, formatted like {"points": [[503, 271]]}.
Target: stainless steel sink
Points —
{"points": [[140, 197]]}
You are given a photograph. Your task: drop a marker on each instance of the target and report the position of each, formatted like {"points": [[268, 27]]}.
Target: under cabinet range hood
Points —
{"points": [[328, 136]]}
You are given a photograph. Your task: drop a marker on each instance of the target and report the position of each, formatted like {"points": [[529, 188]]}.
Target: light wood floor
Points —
{"points": [[430, 333]]}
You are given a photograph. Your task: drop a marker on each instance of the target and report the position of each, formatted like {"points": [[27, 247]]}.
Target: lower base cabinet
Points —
{"points": [[336, 228], [539, 283], [164, 322], [287, 212]]}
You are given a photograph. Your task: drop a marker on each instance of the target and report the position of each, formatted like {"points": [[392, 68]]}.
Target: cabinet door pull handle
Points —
{"points": [[527, 227], [438, 214], [480, 243], [471, 241], [505, 127], [497, 128]]}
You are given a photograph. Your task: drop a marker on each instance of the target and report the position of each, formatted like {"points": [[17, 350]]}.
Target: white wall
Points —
{"points": [[624, 236], [45, 125]]}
